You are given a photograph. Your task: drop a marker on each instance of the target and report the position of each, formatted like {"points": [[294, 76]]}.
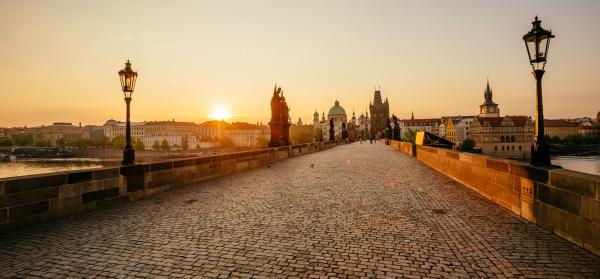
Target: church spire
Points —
{"points": [[412, 115]]}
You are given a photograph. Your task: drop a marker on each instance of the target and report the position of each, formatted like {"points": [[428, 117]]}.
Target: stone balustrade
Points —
{"points": [[33, 199], [564, 202]]}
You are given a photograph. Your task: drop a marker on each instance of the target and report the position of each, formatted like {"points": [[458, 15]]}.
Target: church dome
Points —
{"points": [[337, 109]]}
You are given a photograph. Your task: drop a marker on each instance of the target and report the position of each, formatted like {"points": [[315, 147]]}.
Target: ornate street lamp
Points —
{"points": [[537, 42], [128, 78]]}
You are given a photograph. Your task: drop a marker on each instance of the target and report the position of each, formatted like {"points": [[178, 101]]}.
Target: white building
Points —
{"points": [[113, 128], [338, 115], [245, 134]]}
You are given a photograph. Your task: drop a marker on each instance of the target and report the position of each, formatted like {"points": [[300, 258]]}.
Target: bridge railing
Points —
{"points": [[564, 202], [33, 199]]}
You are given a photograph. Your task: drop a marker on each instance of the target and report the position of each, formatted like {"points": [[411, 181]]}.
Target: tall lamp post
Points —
{"points": [[537, 42], [128, 78]]}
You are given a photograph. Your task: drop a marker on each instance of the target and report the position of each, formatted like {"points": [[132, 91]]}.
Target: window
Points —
{"points": [[513, 148], [520, 148], [512, 138], [503, 148], [495, 148], [502, 139]]}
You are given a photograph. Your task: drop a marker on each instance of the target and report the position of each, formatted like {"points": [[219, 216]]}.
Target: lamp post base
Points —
{"points": [[540, 155], [128, 157]]}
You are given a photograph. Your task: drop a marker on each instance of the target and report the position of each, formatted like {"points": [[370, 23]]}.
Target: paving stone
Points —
{"points": [[362, 211]]}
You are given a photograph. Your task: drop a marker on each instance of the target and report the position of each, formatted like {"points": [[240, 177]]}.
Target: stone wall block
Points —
{"points": [[79, 176], [22, 211], [559, 198], [529, 172], [109, 183], [583, 229], [549, 217], [66, 206], [20, 198], [99, 195], [576, 182], [3, 215], [29, 183], [105, 173], [590, 209]]}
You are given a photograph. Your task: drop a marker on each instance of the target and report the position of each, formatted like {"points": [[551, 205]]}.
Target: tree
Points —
{"points": [[156, 145], [164, 145], [410, 135], [43, 143], [138, 145], [23, 140], [467, 145], [6, 142], [60, 142], [103, 141], [118, 142]]}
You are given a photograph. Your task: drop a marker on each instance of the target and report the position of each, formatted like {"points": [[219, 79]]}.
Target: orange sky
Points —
{"points": [[59, 59]]}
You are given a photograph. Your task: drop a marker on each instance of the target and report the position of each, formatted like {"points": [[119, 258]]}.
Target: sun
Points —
{"points": [[220, 113]]}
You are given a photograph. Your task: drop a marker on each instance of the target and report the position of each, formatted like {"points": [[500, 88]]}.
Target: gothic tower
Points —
{"points": [[380, 112], [488, 108]]}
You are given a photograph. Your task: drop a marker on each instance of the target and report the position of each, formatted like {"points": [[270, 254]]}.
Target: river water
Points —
{"points": [[588, 164], [36, 166]]}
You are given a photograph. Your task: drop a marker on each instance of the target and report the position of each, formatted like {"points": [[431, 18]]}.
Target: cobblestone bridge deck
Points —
{"points": [[362, 211]]}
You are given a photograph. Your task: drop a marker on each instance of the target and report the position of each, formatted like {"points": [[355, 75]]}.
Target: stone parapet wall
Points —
{"points": [[33, 199], [564, 202]]}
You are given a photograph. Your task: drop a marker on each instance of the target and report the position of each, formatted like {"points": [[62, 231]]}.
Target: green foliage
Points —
{"points": [[84, 142], [574, 139], [138, 145], [156, 145], [6, 142], [23, 140], [467, 145], [164, 145], [60, 142], [118, 142], [43, 143], [409, 135]]}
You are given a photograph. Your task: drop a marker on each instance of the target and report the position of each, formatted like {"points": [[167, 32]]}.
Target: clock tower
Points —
{"points": [[488, 108]]}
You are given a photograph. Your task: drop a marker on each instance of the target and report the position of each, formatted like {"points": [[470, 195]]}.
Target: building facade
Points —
{"points": [[430, 125], [338, 115], [458, 129], [113, 128], [560, 128], [507, 137]]}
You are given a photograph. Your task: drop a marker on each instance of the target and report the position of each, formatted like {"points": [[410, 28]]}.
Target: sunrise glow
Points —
{"points": [[220, 113]]}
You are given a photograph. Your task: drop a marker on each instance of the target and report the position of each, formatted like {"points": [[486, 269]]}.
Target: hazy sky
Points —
{"points": [[59, 59]]}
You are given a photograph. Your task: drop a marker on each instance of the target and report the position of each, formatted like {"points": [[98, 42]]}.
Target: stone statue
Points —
{"points": [[331, 130], [279, 123]]}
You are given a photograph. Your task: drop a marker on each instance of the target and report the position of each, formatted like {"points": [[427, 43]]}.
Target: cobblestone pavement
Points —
{"points": [[362, 211]]}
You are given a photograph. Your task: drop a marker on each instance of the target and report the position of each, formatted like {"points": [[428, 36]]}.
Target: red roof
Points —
{"points": [[497, 121], [421, 122], [558, 123], [460, 117]]}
